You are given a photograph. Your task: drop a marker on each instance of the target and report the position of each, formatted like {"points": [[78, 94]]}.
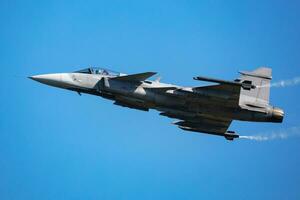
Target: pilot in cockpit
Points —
{"points": [[104, 72]]}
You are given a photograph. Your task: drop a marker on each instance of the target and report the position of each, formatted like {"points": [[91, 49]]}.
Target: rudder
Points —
{"points": [[261, 78]]}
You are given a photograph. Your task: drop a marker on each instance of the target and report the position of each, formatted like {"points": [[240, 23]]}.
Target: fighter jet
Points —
{"points": [[206, 109]]}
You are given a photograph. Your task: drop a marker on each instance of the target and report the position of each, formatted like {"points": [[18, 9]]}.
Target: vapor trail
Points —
{"points": [[280, 134], [284, 83]]}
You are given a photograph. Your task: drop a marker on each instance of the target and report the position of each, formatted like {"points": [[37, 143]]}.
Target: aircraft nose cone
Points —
{"points": [[48, 79], [37, 78]]}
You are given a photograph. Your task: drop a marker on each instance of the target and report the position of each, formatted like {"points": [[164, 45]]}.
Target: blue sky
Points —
{"points": [[56, 144]]}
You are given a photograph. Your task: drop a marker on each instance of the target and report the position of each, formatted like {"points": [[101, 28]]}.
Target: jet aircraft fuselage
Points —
{"points": [[207, 109]]}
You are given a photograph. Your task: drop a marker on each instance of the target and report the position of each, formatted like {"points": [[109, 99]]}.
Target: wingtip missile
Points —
{"points": [[231, 135]]}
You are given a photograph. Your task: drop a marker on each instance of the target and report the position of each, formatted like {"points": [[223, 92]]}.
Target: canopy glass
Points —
{"points": [[101, 71]]}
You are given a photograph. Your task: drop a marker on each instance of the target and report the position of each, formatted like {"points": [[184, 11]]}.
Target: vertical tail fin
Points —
{"points": [[261, 78]]}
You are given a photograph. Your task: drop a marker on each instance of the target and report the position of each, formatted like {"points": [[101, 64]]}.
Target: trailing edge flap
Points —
{"points": [[135, 77]]}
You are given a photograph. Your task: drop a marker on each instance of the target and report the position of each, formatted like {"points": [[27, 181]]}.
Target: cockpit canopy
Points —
{"points": [[100, 71]]}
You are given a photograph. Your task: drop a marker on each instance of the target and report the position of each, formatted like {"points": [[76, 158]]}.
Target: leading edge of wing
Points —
{"points": [[229, 93], [135, 77]]}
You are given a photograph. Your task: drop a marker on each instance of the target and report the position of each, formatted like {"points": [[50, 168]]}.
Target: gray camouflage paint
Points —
{"points": [[207, 109]]}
